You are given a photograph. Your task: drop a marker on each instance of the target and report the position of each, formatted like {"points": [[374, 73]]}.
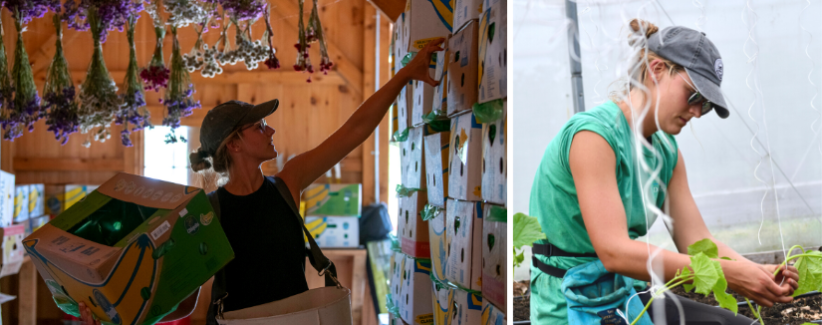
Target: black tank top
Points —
{"points": [[269, 249]]}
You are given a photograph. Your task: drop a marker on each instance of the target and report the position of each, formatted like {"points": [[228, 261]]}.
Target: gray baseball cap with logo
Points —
{"points": [[694, 51], [220, 121]]}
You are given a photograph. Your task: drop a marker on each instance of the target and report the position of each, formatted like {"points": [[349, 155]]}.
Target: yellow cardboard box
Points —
{"points": [[132, 266], [341, 200], [464, 227], [37, 200], [438, 239], [468, 308], [443, 297], [491, 315], [21, 203]]}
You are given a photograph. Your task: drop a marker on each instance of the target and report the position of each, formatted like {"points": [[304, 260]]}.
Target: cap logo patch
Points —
{"points": [[718, 68]]}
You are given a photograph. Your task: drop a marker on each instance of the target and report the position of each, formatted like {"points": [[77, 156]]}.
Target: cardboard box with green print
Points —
{"points": [[132, 250], [341, 200]]}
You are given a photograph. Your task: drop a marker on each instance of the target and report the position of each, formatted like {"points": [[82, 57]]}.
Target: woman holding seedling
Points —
{"points": [[592, 196], [259, 221]]}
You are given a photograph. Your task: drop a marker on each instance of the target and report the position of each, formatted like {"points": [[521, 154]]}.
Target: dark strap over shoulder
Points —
{"points": [[320, 263], [548, 249]]}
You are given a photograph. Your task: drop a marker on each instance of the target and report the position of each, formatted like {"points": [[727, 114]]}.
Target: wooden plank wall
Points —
{"points": [[308, 113]]}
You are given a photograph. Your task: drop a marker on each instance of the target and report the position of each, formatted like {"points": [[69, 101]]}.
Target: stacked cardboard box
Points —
{"points": [[29, 207], [162, 245], [415, 296], [461, 163], [492, 93], [6, 199], [332, 213]]}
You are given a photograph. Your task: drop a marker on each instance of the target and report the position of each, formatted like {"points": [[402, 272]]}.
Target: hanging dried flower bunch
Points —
{"points": [[113, 14], [271, 61], [25, 108], [59, 93], [315, 33], [155, 75], [30, 9], [133, 110], [303, 61], [178, 99], [240, 10], [6, 87], [185, 12], [249, 52], [98, 93]]}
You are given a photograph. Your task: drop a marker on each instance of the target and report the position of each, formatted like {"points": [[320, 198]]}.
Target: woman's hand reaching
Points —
{"points": [[418, 68]]}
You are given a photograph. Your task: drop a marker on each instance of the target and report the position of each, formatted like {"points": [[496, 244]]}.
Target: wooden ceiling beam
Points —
{"points": [[392, 9]]}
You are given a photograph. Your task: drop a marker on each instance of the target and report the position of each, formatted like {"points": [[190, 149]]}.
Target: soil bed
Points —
{"points": [[800, 311], [522, 300]]}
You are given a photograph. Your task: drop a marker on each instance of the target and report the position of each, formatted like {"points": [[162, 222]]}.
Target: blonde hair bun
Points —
{"points": [[638, 26], [199, 161]]}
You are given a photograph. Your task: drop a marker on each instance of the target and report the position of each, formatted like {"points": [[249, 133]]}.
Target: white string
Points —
{"points": [[753, 19]]}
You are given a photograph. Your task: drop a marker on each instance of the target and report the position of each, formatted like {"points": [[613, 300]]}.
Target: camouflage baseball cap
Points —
{"points": [[220, 121]]}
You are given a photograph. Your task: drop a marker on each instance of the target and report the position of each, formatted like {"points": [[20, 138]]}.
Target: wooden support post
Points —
{"points": [[28, 294]]}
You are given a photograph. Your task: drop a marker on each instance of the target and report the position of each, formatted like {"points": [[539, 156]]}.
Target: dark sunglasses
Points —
{"points": [[696, 97]]}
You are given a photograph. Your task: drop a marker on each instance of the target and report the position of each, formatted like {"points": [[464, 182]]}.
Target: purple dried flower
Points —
{"points": [[178, 100]]}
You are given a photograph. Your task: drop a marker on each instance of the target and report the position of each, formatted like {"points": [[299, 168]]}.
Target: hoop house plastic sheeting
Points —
{"points": [[772, 54]]}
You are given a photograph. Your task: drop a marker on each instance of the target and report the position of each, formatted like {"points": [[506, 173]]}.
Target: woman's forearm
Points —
{"points": [[630, 258], [369, 115]]}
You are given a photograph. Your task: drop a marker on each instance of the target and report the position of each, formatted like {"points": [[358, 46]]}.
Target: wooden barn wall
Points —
{"points": [[308, 113]]}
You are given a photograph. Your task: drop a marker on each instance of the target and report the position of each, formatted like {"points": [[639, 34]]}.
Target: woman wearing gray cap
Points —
{"points": [[259, 221], [591, 204]]}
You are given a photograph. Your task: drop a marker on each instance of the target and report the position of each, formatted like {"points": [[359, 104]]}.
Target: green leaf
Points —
{"points": [[725, 300], [686, 272], [518, 258], [727, 258], [705, 246], [810, 272], [526, 230], [705, 275]]}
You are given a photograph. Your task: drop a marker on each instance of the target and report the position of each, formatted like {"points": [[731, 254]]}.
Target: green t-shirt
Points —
{"points": [[555, 204]]}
